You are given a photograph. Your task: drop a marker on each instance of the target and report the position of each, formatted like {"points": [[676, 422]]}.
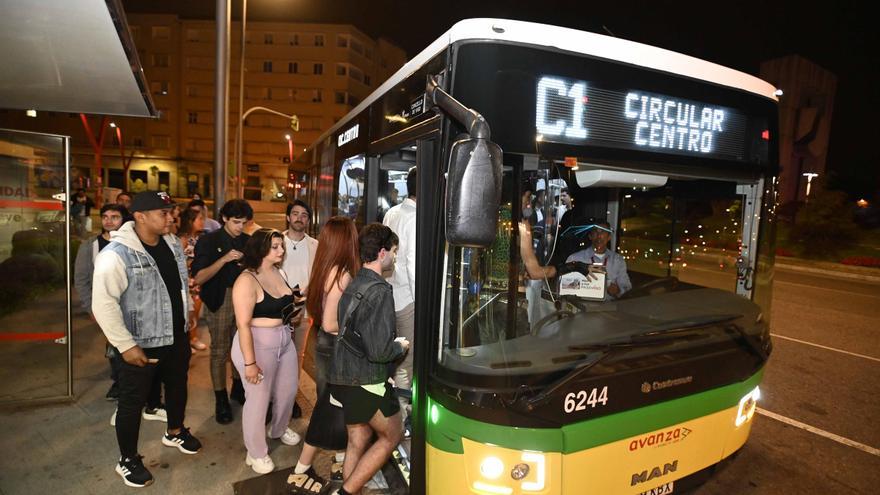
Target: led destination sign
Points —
{"points": [[574, 112]]}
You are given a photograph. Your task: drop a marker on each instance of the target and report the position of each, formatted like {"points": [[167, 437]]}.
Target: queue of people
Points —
{"points": [[267, 297]]}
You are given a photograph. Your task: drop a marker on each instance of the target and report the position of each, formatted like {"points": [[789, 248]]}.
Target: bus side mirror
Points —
{"points": [[473, 192]]}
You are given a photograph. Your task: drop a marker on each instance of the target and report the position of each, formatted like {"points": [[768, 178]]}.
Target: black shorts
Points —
{"points": [[359, 405]]}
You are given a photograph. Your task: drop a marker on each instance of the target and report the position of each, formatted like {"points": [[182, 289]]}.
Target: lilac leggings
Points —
{"points": [[276, 357]]}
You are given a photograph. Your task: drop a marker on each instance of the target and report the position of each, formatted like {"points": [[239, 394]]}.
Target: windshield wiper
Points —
{"points": [[672, 331], [545, 394]]}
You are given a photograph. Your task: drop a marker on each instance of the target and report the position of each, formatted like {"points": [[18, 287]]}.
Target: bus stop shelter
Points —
{"points": [[57, 56]]}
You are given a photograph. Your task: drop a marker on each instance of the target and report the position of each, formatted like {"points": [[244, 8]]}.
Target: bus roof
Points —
{"points": [[571, 40]]}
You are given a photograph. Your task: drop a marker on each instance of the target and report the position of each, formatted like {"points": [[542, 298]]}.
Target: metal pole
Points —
{"points": [[221, 100], [238, 130], [69, 331]]}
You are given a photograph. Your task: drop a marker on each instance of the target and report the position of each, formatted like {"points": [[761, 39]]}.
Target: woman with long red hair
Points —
{"points": [[336, 262]]}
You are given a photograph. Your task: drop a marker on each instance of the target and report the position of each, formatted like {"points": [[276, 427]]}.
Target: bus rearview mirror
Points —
{"points": [[473, 192]]}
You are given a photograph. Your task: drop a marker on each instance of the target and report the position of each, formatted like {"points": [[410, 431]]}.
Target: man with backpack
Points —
{"points": [[366, 345]]}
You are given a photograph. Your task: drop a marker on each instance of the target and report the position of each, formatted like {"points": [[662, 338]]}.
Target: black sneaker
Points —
{"points": [[113, 393], [308, 483], [133, 472], [184, 442]]}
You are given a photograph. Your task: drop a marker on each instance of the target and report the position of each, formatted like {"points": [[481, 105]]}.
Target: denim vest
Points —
{"points": [[145, 305], [376, 321]]}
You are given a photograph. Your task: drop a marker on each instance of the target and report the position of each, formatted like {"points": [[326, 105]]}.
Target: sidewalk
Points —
{"points": [[70, 448], [828, 269]]}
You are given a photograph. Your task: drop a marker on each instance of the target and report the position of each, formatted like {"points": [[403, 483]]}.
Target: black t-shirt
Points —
{"points": [[211, 247], [102, 243], [168, 270]]}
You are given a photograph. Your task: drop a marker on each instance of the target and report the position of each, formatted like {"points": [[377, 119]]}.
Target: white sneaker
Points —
{"points": [[158, 414], [113, 418], [290, 437], [260, 466]]}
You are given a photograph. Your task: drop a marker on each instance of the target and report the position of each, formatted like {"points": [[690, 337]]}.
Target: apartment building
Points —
{"points": [[317, 72]]}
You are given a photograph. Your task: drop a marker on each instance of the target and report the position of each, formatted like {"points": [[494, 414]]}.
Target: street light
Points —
{"points": [[294, 126], [810, 176]]}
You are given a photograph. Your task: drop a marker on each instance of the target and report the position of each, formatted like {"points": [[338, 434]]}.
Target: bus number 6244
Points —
{"points": [[578, 401]]}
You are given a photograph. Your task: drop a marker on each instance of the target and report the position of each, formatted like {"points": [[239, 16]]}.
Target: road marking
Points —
{"points": [[824, 288], [821, 433], [776, 335]]}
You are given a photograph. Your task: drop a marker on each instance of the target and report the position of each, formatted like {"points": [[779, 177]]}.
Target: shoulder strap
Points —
{"points": [[284, 277], [252, 274], [355, 302]]}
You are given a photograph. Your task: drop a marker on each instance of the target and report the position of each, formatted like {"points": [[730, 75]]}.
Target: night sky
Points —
{"points": [[838, 36]]}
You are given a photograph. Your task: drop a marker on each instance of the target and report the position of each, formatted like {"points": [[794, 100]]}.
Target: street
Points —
{"points": [[830, 390]]}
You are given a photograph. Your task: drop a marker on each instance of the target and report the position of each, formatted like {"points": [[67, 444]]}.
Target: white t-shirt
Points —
{"points": [[296, 262], [402, 220]]}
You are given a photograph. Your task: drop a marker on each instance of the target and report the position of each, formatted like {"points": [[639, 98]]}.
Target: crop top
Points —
{"points": [[271, 307]]}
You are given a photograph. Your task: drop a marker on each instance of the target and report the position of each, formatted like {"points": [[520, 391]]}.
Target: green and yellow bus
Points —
{"points": [[529, 386]]}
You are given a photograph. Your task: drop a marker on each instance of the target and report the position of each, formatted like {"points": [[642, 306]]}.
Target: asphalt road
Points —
{"points": [[835, 391]]}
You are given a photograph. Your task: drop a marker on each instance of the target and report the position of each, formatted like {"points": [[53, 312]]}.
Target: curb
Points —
{"points": [[828, 273]]}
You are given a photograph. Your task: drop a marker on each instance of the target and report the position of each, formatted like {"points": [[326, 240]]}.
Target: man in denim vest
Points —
{"points": [[366, 345], [139, 301]]}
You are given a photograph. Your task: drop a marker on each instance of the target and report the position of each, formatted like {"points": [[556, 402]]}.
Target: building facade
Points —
{"points": [[317, 72], [805, 110]]}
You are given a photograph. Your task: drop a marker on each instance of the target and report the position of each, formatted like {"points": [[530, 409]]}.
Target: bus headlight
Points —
{"points": [[747, 406], [491, 467], [527, 470]]}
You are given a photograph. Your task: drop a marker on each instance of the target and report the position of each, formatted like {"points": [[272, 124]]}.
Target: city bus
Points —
{"points": [[531, 386]]}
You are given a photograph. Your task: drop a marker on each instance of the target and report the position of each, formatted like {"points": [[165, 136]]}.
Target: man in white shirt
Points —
{"points": [[299, 255], [402, 220]]}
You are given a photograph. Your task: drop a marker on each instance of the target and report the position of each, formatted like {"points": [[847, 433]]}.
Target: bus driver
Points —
{"points": [[598, 253]]}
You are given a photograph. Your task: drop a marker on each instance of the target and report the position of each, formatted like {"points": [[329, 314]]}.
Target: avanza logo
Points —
{"points": [[655, 472], [659, 439]]}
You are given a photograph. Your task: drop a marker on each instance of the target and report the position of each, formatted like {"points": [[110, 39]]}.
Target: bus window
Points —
{"points": [[690, 230], [664, 252], [394, 168], [350, 192]]}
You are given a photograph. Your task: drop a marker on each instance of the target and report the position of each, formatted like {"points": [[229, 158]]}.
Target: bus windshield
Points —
{"points": [[619, 266]]}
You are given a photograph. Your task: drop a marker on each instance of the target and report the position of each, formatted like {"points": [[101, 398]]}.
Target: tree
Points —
{"points": [[825, 224]]}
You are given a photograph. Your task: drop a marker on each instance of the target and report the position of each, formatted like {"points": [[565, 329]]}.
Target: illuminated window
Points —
{"points": [[159, 88], [161, 32]]}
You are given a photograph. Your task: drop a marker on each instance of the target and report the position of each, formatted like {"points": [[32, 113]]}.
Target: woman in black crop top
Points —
{"points": [[262, 349]]}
